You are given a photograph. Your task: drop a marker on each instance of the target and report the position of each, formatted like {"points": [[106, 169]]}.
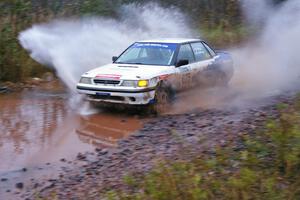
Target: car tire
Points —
{"points": [[162, 100]]}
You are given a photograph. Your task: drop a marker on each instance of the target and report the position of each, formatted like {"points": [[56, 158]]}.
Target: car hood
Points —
{"points": [[128, 71]]}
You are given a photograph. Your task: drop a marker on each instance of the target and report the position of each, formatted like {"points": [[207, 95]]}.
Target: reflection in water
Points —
{"points": [[39, 127], [27, 120], [105, 130]]}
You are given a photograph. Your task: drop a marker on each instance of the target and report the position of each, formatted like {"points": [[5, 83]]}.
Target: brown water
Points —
{"points": [[39, 127]]}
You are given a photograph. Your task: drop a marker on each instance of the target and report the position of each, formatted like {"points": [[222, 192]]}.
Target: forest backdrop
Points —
{"points": [[222, 24]]}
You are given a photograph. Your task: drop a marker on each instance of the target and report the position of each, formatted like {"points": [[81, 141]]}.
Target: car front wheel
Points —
{"points": [[162, 100]]}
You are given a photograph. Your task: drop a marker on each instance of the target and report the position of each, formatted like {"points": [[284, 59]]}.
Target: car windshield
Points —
{"points": [[148, 54]]}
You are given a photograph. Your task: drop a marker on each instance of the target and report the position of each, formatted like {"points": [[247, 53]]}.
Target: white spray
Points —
{"points": [[271, 61]]}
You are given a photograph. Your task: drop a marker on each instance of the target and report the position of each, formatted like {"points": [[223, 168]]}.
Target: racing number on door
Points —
{"points": [[185, 77], [185, 53]]}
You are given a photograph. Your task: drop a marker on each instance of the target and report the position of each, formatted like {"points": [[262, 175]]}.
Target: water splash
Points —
{"points": [[269, 62], [75, 46]]}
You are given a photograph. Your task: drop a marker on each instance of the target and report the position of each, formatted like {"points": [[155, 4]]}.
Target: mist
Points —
{"points": [[270, 61]]}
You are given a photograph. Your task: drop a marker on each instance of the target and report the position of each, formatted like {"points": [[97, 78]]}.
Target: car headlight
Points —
{"points": [[153, 82], [129, 83], [85, 80], [140, 83], [148, 83], [143, 83]]}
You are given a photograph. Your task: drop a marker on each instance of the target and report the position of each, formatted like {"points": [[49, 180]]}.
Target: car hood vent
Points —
{"points": [[128, 66]]}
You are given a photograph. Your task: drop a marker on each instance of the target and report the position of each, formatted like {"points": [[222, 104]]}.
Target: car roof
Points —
{"points": [[171, 40]]}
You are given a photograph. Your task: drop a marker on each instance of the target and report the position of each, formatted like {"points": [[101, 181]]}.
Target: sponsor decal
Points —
{"points": [[109, 76], [156, 45]]}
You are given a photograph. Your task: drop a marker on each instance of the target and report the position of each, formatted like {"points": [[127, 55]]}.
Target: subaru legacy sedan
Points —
{"points": [[151, 72]]}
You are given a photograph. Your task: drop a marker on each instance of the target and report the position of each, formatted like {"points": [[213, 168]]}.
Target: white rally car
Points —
{"points": [[150, 72]]}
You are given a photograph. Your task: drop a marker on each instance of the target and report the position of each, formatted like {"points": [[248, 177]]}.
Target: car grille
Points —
{"points": [[114, 98], [106, 82]]}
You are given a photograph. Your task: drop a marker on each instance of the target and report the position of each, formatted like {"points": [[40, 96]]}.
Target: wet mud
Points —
{"points": [[46, 143]]}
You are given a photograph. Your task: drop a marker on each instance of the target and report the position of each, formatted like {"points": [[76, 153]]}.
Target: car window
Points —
{"points": [[148, 54], [132, 53], [186, 53], [200, 51], [212, 52]]}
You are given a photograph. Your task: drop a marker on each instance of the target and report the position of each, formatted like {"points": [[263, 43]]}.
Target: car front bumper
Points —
{"points": [[117, 94]]}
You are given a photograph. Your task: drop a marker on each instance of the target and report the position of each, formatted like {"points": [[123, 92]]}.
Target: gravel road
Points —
{"points": [[170, 136]]}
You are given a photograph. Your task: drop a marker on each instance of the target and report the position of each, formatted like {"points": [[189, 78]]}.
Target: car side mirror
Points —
{"points": [[114, 58], [182, 62]]}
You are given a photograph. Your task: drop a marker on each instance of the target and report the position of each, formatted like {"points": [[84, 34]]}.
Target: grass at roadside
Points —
{"points": [[264, 165]]}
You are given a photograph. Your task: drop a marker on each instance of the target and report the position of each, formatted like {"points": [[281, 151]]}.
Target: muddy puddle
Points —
{"points": [[41, 135], [40, 127]]}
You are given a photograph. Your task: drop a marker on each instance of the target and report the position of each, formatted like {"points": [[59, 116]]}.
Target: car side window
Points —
{"points": [[212, 52], [186, 53], [200, 51]]}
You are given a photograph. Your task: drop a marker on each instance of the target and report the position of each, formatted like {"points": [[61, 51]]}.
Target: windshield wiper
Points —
{"points": [[137, 63]]}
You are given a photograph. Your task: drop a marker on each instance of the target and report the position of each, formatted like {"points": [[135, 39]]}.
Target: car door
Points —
{"points": [[184, 73], [203, 60]]}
